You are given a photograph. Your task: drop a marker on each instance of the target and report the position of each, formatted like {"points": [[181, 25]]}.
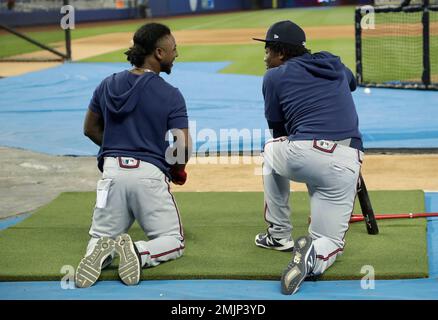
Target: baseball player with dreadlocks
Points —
{"points": [[310, 110], [129, 117]]}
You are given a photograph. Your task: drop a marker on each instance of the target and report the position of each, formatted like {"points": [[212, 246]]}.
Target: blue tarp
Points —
{"points": [[43, 111]]}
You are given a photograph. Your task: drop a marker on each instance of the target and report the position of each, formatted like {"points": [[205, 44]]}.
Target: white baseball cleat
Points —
{"points": [[265, 240], [301, 265], [130, 261], [90, 267]]}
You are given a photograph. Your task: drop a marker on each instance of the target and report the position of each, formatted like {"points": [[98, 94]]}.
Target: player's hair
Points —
{"points": [[145, 41], [287, 50]]}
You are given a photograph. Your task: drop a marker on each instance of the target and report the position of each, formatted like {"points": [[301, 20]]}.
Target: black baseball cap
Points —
{"points": [[285, 32]]}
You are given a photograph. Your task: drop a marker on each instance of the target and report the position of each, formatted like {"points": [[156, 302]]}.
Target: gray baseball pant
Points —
{"points": [[143, 194], [331, 172]]}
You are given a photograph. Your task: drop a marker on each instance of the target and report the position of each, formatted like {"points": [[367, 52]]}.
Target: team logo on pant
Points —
{"points": [[128, 163]]}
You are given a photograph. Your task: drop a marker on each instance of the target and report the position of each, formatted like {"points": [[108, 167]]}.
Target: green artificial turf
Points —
{"points": [[219, 228]]}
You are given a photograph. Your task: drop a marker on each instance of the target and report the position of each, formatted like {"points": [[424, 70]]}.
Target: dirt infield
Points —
{"points": [[29, 180], [396, 29]]}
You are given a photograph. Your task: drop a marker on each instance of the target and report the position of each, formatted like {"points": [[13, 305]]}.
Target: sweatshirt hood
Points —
{"points": [[321, 65], [124, 102]]}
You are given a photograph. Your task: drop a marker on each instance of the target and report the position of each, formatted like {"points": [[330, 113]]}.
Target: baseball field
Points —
{"points": [[222, 203], [227, 37]]}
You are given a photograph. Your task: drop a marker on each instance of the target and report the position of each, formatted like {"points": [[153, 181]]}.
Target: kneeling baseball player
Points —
{"points": [[128, 117], [310, 110]]}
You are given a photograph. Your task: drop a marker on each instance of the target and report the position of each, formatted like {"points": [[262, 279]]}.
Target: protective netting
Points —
{"points": [[29, 27], [15, 48], [31, 42], [392, 51], [399, 2]]}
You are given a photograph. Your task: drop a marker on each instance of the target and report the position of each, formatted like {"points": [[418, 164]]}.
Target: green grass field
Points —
{"points": [[10, 45], [219, 229], [388, 57], [245, 58]]}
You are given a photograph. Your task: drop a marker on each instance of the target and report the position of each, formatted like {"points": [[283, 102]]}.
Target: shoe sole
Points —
{"points": [[129, 265], [287, 249], [90, 267], [295, 273]]}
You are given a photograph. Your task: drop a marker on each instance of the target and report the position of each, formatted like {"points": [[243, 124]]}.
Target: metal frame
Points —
{"points": [[62, 56]]}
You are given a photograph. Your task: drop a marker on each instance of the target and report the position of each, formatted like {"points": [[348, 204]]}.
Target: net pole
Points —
{"points": [[67, 37], [358, 37], [68, 43], [426, 44]]}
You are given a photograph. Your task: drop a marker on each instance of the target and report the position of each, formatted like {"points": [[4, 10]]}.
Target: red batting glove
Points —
{"points": [[179, 176]]}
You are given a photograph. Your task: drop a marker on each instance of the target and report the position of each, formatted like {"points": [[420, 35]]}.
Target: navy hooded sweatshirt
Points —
{"points": [[138, 111], [311, 96]]}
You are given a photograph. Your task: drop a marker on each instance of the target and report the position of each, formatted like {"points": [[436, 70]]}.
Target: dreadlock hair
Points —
{"points": [[287, 50], [145, 41]]}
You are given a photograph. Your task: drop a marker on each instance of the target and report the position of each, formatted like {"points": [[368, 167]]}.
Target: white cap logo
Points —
{"points": [[276, 36]]}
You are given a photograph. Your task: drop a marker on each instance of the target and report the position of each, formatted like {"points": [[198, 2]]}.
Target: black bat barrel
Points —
{"points": [[367, 209]]}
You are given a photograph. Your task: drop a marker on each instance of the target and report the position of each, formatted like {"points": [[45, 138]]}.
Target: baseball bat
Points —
{"points": [[357, 217], [365, 206]]}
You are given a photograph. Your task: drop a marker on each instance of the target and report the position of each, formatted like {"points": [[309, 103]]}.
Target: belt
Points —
{"points": [[355, 143]]}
